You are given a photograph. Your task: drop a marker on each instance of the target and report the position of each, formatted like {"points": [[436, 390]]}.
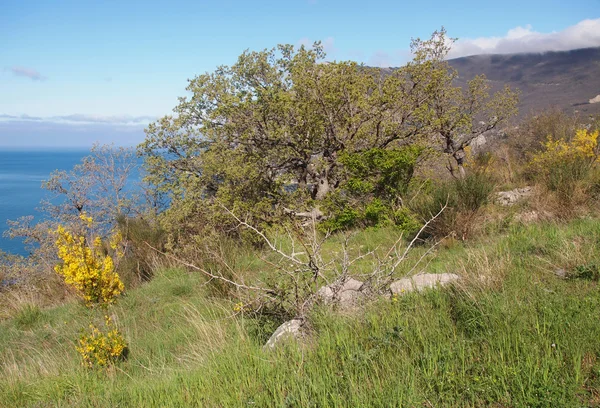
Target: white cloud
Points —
{"points": [[79, 118], [584, 34], [27, 73]]}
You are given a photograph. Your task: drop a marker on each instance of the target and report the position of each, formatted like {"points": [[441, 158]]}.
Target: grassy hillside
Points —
{"points": [[511, 334]]}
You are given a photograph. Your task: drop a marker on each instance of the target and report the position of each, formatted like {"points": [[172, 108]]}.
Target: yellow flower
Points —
{"points": [[85, 268]]}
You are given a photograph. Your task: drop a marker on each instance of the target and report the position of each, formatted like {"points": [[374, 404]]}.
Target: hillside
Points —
{"points": [[521, 337], [566, 79]]}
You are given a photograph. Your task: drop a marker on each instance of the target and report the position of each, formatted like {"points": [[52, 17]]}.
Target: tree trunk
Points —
{"points": [[322, 188], [459, 156]]}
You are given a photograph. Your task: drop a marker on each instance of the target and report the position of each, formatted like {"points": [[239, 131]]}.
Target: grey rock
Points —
{"points": [[507, 198], [478, 142], [422, 281], [561, 273], [288, 330], [346, 295]]}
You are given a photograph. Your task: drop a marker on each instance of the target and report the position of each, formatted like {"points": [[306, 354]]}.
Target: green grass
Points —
{"points": [[519, 337]]}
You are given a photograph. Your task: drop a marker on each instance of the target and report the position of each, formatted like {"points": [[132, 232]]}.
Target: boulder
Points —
{"points": [[288, 330], [422, 281], [347, 294], [507, 198]]}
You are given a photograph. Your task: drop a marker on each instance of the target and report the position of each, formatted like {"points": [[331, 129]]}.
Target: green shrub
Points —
{"points": [[463, 199], [371, 195]]}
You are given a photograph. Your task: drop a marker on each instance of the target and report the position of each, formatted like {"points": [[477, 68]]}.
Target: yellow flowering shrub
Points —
{"points": [[86, 268], [102, 348], [562, 162]]}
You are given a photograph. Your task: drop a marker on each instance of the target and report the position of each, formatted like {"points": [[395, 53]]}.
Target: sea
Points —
{"points": [[22, 172]]}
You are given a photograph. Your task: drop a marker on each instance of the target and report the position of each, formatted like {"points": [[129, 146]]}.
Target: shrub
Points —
{"points": [[375, 182], [86, 268], [101, 348], [462, 197], [139, 261], [562, 165], [91, 271], [536, 128]]}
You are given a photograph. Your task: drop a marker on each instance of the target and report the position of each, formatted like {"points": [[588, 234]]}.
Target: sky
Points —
{"points": [[75, 72]]}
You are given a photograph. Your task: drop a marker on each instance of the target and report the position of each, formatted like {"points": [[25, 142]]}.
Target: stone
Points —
{"points": [[421, 282], [288, 330], [595, 100], [346, 295], [561, 273], [507, 198]]}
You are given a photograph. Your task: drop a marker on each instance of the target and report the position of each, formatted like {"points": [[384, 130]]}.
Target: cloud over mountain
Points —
{"points": [[584, 34]]}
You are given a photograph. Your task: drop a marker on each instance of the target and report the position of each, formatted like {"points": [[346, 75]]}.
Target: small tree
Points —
{"points": [[458, 115]]}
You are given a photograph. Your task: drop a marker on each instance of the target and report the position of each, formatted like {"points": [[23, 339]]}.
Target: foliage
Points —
{"points": [[511, 343], [464, 198], [91, 271], [375, 183], [86, 268], [102, 348], [278, 129], [563, 163]]}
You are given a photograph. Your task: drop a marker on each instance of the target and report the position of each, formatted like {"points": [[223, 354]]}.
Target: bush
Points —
{"points": [[139, 261], [536, 128], [101, 348], [371, 195], [462, 197], [564, 165], [86, 268]]}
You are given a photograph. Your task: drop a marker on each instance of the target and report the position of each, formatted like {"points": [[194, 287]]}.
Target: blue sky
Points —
{"points": [[102, 66]]}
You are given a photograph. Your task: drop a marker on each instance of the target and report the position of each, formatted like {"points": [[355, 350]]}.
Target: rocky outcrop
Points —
{"points": [[421, 282], [511, 197]]}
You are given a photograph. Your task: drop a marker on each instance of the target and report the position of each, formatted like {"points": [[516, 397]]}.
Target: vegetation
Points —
{"points": [[521, 337], [282, 174]]}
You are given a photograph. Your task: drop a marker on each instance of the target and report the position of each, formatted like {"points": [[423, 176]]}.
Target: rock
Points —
{"points": [[288, 330], [422, 281], [507, 198], [561, 273], [346, 295], [528, 217], [595, 100], [478, 142]]}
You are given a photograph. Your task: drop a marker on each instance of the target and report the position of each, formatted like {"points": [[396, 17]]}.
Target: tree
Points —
{"points": [[459, 115], [281, 118], [99, 186]]}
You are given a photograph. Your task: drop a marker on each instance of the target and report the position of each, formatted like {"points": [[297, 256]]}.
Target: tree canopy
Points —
{"points": [[271, 130]]}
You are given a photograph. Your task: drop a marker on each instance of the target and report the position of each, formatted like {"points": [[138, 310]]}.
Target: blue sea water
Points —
{"points": [[21, 174]]}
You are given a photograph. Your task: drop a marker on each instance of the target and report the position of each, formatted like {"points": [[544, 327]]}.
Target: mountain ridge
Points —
{"points": [[568, 80]]}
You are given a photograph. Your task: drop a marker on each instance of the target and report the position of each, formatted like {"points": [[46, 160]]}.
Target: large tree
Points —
{"points": [[285, 116]]}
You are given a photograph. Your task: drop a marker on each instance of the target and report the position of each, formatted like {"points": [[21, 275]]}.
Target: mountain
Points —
{"points": [[566, 79]]}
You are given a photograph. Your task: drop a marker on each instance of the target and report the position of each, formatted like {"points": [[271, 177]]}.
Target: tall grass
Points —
{"points": [[511, 334]]}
